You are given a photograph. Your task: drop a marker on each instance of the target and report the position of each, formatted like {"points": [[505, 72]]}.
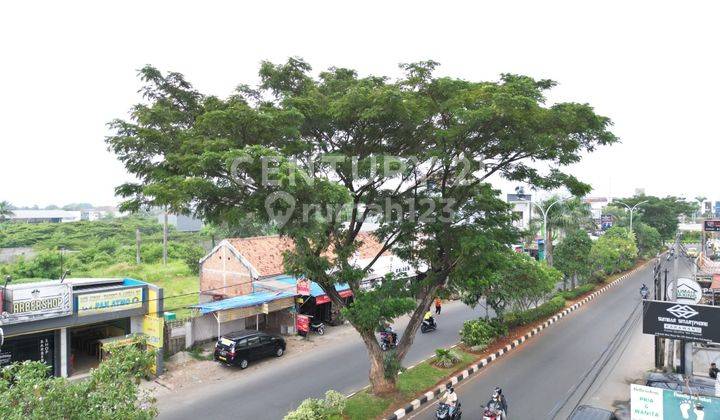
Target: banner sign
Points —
{"points": [[153, 327], [682, 322], [688, 291], [302, 323], [648, 403], [34, 301], [303, 287], [110, 301]]}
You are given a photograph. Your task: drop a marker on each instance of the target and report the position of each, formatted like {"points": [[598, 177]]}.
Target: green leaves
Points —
{"points": [[111, 392]]}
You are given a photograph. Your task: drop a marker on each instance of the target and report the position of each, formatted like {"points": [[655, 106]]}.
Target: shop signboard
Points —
{"points": [[153, 327], [319, 300], [647, 403], [688, 291], [712, 225], [302, 323], [110, 301], [679, 321], [35, 301]]}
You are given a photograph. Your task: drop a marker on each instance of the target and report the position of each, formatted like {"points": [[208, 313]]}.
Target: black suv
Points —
{"points": [[242, 347]]}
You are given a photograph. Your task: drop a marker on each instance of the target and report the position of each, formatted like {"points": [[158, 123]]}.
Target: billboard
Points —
{"points": [[153, 328], [110, 301], [688, 291], [647, 403], [680, 321], [712, 226], [35, 301]]}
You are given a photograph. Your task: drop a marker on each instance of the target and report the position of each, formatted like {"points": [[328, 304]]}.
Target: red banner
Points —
{"points": [[303, 287], [302, 323], [325, 299]]}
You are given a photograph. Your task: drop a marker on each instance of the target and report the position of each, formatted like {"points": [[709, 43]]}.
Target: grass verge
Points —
{"points": [[420, 378]]}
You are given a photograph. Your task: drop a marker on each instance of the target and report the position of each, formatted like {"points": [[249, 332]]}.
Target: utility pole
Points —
{"points": [[165, 235], [632, 210], [137, 246]]}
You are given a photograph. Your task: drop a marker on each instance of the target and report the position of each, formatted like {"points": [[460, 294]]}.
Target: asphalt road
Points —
{"points": [[546, 377], [279, 385]]}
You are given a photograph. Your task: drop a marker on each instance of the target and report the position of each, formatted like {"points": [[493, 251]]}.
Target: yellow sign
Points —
{"points": [[153, 328], [110, 301]]}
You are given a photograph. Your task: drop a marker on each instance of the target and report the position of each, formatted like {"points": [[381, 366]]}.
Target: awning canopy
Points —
{"points": [[316, 291], [244, 301]]}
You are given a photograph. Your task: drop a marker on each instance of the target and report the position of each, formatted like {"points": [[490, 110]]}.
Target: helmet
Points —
{"points": [[497, 392], [451, 390]]}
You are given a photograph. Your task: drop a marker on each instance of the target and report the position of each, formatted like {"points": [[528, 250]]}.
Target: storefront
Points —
{"points": [[64, 324]]}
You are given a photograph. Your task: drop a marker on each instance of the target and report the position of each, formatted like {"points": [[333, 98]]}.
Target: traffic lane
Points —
{"points": [[279, 385], [541, 372]]}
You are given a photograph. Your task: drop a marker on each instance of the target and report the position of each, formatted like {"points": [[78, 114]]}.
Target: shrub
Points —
{"points": [[576, 292], [479, 333], [319, 409], [446, 358], [516, 319]]}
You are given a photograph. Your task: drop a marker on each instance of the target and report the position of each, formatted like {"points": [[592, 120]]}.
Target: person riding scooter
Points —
{"points": [[498, 403], [451, 399], [429, 318]]}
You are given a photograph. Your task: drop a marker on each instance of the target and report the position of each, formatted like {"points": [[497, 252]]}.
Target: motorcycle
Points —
{"points": [[428, 325], [492, 412], [644, 293], [388, 340], [443, 412], [318, 328]]}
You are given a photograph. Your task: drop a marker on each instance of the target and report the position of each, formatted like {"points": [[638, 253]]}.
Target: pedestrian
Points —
{"points": [[713, 372], [438, 305]]}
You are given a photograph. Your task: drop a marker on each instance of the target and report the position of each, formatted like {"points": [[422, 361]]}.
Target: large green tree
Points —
{"points": [[324, 155], [660, 213], [563, 216], [572, 256]]}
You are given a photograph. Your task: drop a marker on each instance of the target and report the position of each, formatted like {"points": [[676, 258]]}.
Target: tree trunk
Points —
{"points": [[574, 280], [379, 382], [548, 247]]}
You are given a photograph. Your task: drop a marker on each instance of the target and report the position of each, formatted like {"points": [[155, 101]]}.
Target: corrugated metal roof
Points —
{"points": [[315, 289], [244, 301]]}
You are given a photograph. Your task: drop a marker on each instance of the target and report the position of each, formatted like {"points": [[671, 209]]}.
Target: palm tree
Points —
{"points": [[563, 217], [5, 210]]}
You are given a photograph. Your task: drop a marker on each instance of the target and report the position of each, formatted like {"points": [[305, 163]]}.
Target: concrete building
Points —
{"points": [[47, 216], [522, 208], [181, 222], [66, 324]]}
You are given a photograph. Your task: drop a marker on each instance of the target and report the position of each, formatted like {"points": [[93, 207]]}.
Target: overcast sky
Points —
{"points": [[66, 70]]}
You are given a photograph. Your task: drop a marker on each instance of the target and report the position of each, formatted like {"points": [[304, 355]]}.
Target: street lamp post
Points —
{"points": [[632, 210], [545, 214]]}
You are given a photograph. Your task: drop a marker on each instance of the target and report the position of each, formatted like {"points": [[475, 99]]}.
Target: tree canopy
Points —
{"points": [[324, 155], [660, 213], [572, 255]]}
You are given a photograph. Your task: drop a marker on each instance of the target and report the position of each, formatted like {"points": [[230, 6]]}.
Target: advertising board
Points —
{"points": [[679, 321], [110, 301], [647, 403], [35, 301]]}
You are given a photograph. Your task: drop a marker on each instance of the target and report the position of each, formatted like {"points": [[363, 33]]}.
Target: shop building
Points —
{"points": [[65, 324], [243, 285]]}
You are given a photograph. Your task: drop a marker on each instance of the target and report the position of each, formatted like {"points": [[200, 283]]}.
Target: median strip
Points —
{"points": [[431, 395]]}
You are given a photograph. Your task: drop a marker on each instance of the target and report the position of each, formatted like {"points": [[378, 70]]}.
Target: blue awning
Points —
{"points": [[244, 301]]}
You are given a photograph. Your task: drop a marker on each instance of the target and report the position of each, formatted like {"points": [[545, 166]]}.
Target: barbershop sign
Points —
{"points": [[33, 301], [682, 321]]}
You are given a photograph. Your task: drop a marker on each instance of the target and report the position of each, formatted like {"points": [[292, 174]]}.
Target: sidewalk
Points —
{"points": [[184, 371], [611, 391]]}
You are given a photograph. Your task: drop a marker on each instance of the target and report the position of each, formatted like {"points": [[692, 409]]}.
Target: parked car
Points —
{"points": [[239, 349], [586, 412]]}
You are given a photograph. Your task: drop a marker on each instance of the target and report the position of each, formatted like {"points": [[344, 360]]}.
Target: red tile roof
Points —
{"points": [[265, 253]]}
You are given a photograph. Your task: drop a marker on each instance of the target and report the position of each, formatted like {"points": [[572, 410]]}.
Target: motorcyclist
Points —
{"points": [[390, 334], [498, 402], [429, 317], [644, 291], [451, 399]]}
